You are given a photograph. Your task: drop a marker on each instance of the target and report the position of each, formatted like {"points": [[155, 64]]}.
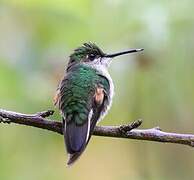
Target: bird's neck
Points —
{"points": [[101, 69]]}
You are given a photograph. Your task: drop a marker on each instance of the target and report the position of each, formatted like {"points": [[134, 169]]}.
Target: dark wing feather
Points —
{"points": [[98, 110]]}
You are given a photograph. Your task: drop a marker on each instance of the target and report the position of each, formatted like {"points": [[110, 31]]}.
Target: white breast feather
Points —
{"points": [[102, 69]]}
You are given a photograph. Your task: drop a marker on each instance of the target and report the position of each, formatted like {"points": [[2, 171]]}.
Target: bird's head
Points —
{"points": [[90, 53]]}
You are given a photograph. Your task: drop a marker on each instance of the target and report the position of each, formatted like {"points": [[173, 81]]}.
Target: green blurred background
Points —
{"points": [[36, 38]]}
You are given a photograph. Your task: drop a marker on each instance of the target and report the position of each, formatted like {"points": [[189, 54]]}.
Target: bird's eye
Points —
{"points": [[91, 57]]}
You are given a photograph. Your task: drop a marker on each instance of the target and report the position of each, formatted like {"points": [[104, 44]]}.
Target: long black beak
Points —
{"points": [[122, 53]]}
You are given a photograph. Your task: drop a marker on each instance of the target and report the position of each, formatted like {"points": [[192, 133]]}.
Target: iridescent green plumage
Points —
{"points": [[83, 98], [84, 95], [78, 90]]}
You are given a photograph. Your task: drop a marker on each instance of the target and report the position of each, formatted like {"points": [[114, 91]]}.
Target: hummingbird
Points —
{"points": [[84, 95]]}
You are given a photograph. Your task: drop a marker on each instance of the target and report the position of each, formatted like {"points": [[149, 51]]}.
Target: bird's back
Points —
{"points": [[84, 98]]}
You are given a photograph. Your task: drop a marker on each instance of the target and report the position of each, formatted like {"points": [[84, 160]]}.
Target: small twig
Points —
{"points": [[125, 131], [4, 120], [45, 114], [126, 128], [35, 120]]}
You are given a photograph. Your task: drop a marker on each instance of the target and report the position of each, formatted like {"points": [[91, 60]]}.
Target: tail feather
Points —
{"points": [[76, 137], [73, 158]]}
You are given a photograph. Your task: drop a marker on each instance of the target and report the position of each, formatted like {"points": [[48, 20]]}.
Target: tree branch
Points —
{"points": [[125, 131]]}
